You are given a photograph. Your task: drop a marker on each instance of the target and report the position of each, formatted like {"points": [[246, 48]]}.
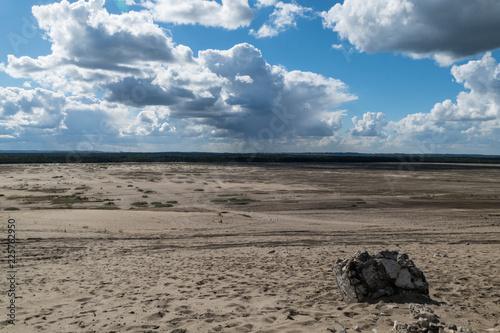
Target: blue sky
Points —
{"points": [[251, 75]]}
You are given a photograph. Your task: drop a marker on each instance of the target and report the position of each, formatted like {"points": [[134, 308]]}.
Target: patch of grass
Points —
{"points": [[172, 202], [49, 190], [73, 199], [55, 207], [245, 215], [106, 208], [110, 203], [199, 189], [31, 199], [158, 204], [82, 188], [149, 191], [163, 205], [54, 199], [11, 208], [140, 204], [234, 201]]}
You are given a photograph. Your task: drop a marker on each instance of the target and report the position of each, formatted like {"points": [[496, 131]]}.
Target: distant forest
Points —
{"points": [[104, 157]]}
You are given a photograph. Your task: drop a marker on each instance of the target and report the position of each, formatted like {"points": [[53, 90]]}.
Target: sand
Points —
{"points": [[242, 248]]}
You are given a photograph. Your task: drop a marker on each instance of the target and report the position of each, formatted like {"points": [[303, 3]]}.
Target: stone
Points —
{"points": [[364, 277], [427, 323]]}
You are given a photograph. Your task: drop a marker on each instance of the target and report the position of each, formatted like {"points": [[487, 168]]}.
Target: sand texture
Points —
{"points": [[242, 248]]}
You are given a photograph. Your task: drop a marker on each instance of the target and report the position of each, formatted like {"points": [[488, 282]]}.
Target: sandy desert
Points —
{"points": [[178, 247]]}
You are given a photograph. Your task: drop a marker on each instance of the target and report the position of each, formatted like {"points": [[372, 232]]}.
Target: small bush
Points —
{"points": [[158, 204]]}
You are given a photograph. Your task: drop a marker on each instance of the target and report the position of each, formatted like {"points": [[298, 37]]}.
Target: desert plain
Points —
{"points": [[180, 247]]}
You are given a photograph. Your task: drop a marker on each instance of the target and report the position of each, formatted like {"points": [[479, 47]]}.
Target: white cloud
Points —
{"points": [[284, 17], [482, 101], [91, 47], [123, 71], [473, 120], [276, 104], [37, 109], [231, 14], [371, 124], [244, 78], [266, 3], [445, 30]]}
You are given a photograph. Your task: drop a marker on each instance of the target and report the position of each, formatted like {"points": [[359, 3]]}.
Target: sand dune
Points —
{"points": [[231, 248]]}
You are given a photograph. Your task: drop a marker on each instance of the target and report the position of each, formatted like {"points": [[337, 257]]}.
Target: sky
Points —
{"points": [[247, 76]]}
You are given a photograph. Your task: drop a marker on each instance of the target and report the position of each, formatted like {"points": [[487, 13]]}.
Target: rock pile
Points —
{"points": [[426, 322], [364, 277]]}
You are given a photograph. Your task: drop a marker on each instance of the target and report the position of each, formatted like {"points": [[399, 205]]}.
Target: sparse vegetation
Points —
{"points": [[234, 201], [161, 205], [48, 190], [12, 208], [199, 189], [140, 204]]}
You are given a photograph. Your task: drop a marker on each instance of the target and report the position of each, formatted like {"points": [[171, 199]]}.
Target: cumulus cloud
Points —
{"points": [[91, 46], [445, 30], [474, 119], [284, 17], [230, 14], [37, 109], [277, 103], [371, 124], [482, 101], [123, 70]]}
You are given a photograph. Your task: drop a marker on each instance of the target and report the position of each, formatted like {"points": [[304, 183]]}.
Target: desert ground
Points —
{"points": [[178, 247]]}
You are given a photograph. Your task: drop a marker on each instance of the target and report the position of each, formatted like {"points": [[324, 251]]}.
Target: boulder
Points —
{"points": [[364, 277]]}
